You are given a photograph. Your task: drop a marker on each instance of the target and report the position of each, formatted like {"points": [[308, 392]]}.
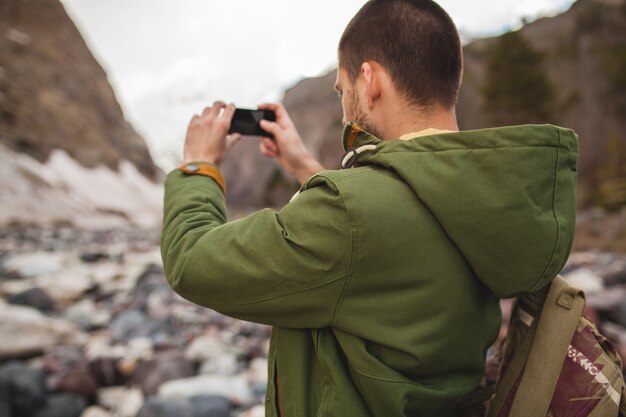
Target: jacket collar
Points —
{"points": [[354, 137]]}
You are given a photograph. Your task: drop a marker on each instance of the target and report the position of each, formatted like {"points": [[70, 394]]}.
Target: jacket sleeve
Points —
{"points": [[284, 268]]}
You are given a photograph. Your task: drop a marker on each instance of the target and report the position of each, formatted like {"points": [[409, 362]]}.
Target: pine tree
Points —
{"points": [[517, 89]]}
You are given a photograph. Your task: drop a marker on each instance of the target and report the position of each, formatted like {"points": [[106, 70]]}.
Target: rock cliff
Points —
{"points": [[59, 118], [582, 51]]}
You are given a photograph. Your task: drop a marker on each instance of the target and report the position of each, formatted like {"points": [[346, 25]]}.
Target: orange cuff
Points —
{"points": [[206, 170]]}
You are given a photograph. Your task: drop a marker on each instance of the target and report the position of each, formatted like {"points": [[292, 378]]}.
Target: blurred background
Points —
{"points": [[95, 98]]}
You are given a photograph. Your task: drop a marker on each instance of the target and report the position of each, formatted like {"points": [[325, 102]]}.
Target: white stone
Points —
{"points": [[66, 287], [232, 387], [586, 280], [225, 364], [26, 331], [141, 348], [35, 264], [122, 401], [258, 371], [204, 347], [85, 313], [256, 411], [95, 411]]}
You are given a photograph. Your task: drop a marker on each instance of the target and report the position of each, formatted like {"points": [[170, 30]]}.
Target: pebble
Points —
{"points": [[136, 349]]}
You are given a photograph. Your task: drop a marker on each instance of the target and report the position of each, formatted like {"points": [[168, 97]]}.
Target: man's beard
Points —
{"points": [[359, 117]]}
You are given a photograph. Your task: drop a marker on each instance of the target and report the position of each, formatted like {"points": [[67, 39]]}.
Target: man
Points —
{"points": [[382, 282]]}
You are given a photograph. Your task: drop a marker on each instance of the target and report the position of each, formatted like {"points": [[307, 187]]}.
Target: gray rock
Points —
{"points": [[127, 325], [34, 297], [134, 324], [210, 406], [167, 366], [86, 314], [160, 407], [235, 388], [62, 405], [22, 390], [607, 299]]}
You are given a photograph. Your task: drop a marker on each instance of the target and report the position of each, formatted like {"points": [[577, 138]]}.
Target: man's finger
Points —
{"points": [[217, 107], [267, 148], [206, 111], [278, 108], [194, 118], [229, 111], [271, 127], [232, 139]]}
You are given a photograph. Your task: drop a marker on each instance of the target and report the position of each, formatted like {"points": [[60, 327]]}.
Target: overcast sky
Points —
{"points": [[168, 59]]}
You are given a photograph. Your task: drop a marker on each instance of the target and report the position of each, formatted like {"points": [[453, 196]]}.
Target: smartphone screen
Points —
{"points": [[247, 122]]}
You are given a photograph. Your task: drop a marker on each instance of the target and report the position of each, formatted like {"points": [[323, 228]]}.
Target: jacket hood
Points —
{"points": [[506, 197]]}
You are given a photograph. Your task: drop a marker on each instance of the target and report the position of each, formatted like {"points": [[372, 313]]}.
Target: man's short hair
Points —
{"points": [[416, 41]]}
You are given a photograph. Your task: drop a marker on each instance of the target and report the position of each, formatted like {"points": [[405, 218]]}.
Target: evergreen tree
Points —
{"points": [[517, 89]]}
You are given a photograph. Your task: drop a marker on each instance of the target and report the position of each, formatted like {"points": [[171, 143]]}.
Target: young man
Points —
{"points": [[381, 281]]}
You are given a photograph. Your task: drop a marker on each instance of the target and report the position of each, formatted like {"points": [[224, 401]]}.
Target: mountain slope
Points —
{"points": [[67, 152], [55, 95]]}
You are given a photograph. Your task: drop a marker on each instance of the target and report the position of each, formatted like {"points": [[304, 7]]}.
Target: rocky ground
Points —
{"points": [[90, 328]]}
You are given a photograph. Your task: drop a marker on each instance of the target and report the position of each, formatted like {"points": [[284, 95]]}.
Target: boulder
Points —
{"points": [[207, 346], [235, 388], [95, 411], [224, 364], [22, 390], [34, 264], [33, 297], [210, 406], [161, 407], [122, 401], [586, 280], [31, 332], [86, 314], [62, 405], [128, 325], [167, 366]]}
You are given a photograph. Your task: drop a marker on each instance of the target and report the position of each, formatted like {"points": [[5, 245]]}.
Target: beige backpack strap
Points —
{"points": [[562, 309]]}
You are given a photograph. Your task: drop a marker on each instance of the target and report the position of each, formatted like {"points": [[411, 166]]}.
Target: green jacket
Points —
{"points": [[382, 281]]}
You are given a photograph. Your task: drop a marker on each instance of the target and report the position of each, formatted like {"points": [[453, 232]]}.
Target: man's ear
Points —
{"points": [[371, 80]]}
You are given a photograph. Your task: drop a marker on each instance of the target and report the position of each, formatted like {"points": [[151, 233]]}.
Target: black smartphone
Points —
{"points": [[248, 122]]}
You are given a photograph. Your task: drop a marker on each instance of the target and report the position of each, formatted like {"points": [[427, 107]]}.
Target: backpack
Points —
{"points": [[555, 362]]}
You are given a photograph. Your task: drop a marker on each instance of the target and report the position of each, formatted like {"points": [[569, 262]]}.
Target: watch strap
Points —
{"points": [[206, 169]]}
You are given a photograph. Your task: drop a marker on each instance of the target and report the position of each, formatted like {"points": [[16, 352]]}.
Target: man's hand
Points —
{"points": [[207, 139], [287, 147]]}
